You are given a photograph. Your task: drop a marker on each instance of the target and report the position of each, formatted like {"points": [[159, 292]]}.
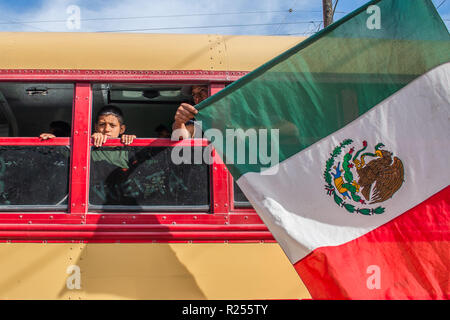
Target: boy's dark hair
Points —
{"points": [[112, 110], [161, 128], [60, 128]]}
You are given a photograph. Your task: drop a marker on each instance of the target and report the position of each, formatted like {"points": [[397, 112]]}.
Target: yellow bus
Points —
{"points": [[160, 230]]}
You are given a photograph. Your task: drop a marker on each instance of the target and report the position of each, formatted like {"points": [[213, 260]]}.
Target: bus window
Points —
{"points": [[240, 200], [146, 178], [34, 174], [146, 107], [28, 109], [34, 177]]}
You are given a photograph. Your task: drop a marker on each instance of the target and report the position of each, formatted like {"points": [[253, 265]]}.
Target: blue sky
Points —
{"points": [[262, 17]]}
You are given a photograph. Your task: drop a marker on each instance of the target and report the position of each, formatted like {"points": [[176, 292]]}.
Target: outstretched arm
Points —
{"points": [[185, 112]]}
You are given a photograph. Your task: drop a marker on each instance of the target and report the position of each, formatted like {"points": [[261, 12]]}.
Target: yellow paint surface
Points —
{"points": [[148, 271], [121, 51]]}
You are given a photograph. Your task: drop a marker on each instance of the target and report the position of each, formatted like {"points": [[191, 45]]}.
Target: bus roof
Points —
{"points": [[136, 51]]}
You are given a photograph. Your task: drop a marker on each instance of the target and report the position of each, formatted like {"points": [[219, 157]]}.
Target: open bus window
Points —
{"points": [[146, 179], [147, 108], [29, 109], [34, 177]]}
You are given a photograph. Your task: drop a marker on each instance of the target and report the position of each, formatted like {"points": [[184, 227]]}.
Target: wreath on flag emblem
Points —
{"points": [[359, 180]]}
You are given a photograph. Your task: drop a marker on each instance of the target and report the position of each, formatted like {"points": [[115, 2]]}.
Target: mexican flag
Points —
{"points": [[347, 150]]}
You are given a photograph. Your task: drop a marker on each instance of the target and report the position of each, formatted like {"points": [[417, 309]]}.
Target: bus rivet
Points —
{"points": [[82, 204], [84, 168], [164, 218], [124, 222], [29, 222], [73, 204], [51, 217], [195, 217], [226, 204], [74, 168], [20, 216], [245, 217], [76, 131], [134, 217]]}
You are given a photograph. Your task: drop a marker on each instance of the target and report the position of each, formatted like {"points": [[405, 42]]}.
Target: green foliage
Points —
{"points": [[350, 208], [348, 175], [364, 211], [355, 197], [378, 210], [337, 199]]}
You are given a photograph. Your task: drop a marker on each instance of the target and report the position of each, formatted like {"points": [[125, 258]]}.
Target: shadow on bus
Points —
{"points": [[130, 271]]}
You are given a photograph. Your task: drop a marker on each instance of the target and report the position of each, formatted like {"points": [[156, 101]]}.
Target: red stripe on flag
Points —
{"points": [[406, 258]]}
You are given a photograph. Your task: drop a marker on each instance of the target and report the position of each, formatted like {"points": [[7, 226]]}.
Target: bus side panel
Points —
{"points": [[147, 271]]}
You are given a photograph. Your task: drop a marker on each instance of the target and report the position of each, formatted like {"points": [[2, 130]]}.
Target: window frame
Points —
{"points": [[223, 223]]}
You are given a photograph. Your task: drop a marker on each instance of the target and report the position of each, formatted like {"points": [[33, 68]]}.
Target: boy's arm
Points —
{"points": [[182, 131]]}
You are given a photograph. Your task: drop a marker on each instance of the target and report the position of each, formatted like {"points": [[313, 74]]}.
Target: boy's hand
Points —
{"points": [[99, 139], [45, 136], [185, 112], [127, 138]]}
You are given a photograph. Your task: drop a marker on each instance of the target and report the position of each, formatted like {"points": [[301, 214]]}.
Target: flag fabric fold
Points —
{"points": [[358, 117]]}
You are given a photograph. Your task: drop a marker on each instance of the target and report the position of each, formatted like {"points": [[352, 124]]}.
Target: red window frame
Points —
{"points": [[224, 223]]}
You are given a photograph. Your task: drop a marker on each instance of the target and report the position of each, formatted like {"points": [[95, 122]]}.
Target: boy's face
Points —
{"points": [[110, 126]]}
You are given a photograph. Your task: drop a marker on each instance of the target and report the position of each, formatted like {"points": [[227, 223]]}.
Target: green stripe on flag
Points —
{"points": [[327, 81]]}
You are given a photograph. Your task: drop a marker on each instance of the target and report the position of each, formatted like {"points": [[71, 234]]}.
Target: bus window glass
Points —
{"points": [[240, 200], [34, 177], [146, 178]]}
